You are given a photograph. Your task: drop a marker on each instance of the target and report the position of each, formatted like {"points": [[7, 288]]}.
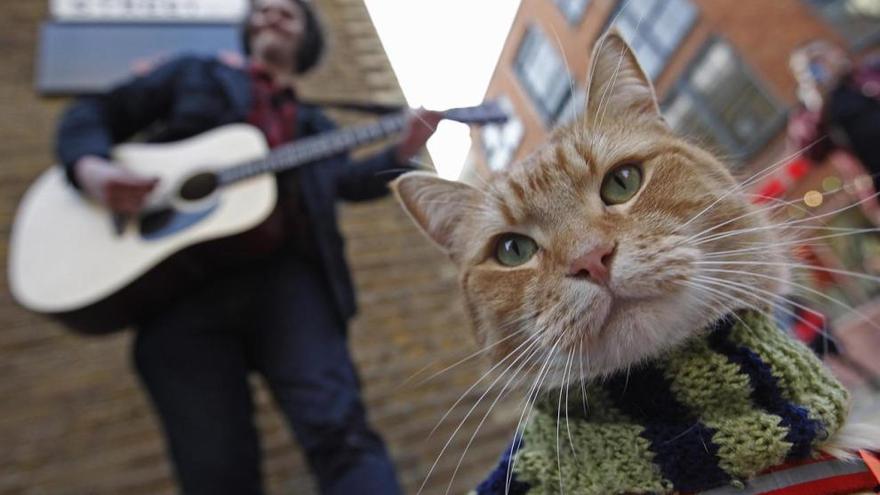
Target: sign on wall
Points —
{"points": [[148, 10], [87, 57]]}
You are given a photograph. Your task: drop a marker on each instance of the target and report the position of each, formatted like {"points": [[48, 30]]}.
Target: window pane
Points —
{"points": [[639, 10], [682, 115], [719, 100], [573, 10], [651, 61], [542, 73], [574, 107], [655, 28], [673, 22], [500, 141]]}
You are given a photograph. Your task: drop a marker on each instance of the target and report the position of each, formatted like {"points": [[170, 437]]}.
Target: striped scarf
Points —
{"points": [[716, 411]]}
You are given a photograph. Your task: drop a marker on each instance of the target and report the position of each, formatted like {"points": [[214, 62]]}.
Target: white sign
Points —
{"points": [[149, 10]]}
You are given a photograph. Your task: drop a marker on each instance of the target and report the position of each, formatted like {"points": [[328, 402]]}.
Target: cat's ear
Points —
{"points": [[436, 205], [617, 83]]}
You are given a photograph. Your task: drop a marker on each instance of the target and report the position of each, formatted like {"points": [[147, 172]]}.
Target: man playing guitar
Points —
{"points": [[284, 312]]}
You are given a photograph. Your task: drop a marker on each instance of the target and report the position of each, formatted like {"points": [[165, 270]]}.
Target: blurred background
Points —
{"points": [[73, 419]]}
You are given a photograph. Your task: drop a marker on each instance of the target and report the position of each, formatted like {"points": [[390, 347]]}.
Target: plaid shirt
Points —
{"points": [[273, 111]]}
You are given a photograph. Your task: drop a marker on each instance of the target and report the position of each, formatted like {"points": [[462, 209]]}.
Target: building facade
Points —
{"points": [[722, 77]]}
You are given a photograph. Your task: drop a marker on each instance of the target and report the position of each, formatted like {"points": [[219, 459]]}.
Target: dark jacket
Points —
{"points": [[191, 95]]}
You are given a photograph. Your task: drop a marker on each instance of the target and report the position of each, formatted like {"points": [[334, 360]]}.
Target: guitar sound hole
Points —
{"points": [[199, 186], [154, 221]]}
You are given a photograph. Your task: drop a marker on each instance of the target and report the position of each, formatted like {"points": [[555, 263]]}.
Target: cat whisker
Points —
{"points": [[841, 231], [752, 179], [794, 222], [473, 355], [801, 286], [748, 291], [863, 276], [762, 246], [582, 377], [712, 296], [702, 235], [534, 342], [531, 397], [826, 336], [566, 376], [783, 227], [561, 49], [482, 421], [558, 421], [602, 109], [594, 61], [534, 339], [795, 203]]}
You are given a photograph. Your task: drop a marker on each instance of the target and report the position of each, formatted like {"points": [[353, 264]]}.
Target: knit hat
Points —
{"points": [[723, 407]]}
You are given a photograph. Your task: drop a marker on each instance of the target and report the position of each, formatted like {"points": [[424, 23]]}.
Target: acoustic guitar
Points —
{"points": [[72, 259]]}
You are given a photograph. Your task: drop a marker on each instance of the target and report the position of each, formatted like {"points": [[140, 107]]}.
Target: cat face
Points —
{"points": [[591, 255]]}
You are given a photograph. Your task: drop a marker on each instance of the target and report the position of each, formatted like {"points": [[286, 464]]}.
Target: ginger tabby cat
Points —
{"points": [[624, 277]]}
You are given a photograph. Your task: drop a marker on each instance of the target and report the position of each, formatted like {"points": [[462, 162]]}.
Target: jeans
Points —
{"points": [[276, 318]]}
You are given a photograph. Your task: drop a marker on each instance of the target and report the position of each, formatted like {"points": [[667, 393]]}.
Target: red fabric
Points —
{"points": [[273, 109], [794, 464], [839, 485], [809, 326]]}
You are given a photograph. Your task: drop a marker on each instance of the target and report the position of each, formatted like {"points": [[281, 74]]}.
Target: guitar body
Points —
{"points": [[69, 259], [214, 204]]}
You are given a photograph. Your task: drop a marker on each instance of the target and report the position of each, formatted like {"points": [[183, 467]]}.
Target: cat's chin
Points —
{"points": [[635, 331]]}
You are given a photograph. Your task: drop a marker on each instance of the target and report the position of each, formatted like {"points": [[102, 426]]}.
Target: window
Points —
{"points": [[573, 10], [720, 102], [574, 107], [500, 141], [654, 29], [542, 73], [857, 20]]}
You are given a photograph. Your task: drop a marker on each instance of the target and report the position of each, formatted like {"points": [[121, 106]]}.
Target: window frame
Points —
{"points": [[549, 116], [720, 132], [648, 34], [488, 151], [865, 41]]}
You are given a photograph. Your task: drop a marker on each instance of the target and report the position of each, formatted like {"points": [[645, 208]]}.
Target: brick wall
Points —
{"points": [[73, 419]]}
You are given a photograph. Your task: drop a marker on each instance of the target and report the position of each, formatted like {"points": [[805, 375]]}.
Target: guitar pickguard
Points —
{"points": [[166, 222]]}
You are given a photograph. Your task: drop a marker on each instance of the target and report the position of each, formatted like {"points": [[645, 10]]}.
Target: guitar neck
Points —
{"points": [[313, 148]]}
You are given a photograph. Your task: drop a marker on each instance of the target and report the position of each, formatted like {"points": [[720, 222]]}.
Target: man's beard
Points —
{"points": [[273, 51]]}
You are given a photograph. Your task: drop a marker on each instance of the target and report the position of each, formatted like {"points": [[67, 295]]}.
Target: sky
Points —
{"points": [[444, 53]]}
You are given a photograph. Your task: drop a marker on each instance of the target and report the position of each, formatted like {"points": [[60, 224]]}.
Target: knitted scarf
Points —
{"points": [[721, 408]]}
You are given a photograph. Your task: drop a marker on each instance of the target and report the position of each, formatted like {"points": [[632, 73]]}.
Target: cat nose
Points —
{"points": [[595, 263]]}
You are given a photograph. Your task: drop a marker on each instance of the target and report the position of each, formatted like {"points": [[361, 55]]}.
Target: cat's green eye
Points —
{"points": [[621, 184], [515, 249]]}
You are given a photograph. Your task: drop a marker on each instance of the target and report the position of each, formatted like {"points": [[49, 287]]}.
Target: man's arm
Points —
{"points": [[368, 179], [92, 125]]}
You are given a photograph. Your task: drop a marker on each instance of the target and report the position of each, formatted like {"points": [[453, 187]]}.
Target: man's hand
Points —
{"points": [[121, 190], [420, 126]]}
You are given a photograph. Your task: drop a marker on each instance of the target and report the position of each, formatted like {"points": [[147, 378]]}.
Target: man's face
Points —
{"points": [[276, 28]]}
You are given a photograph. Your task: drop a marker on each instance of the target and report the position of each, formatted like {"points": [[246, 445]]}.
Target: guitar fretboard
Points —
{"points": [[313, 148], [310, 149]]}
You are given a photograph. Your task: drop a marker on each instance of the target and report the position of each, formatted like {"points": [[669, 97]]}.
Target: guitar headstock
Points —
{"points": [[489, 112]]}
